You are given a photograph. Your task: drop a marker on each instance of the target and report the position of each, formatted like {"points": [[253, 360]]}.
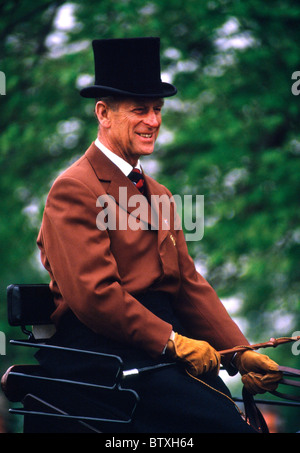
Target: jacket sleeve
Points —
{"points": [[78, 257]]}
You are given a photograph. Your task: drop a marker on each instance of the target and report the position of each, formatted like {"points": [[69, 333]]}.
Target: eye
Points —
{"points": [[139, 110]]}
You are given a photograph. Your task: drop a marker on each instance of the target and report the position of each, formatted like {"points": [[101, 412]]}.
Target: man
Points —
{"points": [[122, 277]]}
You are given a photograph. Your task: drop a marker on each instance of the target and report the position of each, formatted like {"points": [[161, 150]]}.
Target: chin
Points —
{"points": [[146, 153], [147, 150]]}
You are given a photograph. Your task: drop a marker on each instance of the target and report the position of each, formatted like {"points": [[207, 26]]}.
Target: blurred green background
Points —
{"points": [[231, 134]]}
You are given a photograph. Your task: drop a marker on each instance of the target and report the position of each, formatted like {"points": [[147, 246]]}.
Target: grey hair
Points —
{"points": [[111, 101]]}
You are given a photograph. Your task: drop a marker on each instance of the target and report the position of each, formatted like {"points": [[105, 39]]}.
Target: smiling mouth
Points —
{"points": [[145, 135]]}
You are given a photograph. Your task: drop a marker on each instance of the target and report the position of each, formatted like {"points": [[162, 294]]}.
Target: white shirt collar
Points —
{"points": [[124, 166]]}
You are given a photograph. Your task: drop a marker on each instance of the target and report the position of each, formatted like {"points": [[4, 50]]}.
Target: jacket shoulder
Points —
{"points": [[81, 172]]}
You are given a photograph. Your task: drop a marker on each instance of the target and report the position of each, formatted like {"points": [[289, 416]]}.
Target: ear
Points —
{"points": [[102, 112]]}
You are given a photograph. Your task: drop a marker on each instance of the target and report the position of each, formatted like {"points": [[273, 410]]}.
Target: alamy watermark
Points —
{"points": [[296, 344], [295, 88], [2, 83], [159, 213]]}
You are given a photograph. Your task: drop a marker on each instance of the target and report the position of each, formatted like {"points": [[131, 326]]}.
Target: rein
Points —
{"points": [[286, 371], [253, 415], [273, 342]]}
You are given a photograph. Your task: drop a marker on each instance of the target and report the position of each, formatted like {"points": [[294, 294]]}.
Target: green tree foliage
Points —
{"points": [[231, 134]]}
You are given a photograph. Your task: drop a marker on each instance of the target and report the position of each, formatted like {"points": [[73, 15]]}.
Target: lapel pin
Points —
{"points": [[173, 239]]}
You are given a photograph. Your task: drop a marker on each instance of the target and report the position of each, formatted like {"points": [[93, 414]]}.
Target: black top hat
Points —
{"points": [[128, 67]]}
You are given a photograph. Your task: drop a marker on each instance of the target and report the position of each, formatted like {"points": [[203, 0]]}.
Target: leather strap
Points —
{"points": [[289, 371], [292, 372], [253, 415], [273, 342]]}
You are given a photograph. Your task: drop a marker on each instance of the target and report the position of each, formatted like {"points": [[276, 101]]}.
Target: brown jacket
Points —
{"points": [[96, 272]]}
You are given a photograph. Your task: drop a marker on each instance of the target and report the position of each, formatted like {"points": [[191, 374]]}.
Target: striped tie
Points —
{"points": [[137, 178]]}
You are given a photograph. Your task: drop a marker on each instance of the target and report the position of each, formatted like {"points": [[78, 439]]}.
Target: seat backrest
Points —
{"points": [[31, 305]]}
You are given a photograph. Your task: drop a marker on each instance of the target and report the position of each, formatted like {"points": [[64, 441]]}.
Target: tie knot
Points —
{"points": [[137, 178]]}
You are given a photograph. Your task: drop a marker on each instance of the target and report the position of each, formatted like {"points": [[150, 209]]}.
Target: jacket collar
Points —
{"points": [[107, 171]]}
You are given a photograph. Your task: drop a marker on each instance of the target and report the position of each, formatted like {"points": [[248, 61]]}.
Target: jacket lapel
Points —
{"points": [[118, 186]]}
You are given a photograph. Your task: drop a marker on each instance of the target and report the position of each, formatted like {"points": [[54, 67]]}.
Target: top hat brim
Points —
{"points": [[97, 91]]}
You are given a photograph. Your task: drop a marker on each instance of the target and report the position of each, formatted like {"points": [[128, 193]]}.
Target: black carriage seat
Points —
{"points": [[51, 404]]}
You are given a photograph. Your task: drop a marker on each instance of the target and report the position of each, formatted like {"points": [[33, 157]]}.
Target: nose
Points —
{"points": [[152, 119]]}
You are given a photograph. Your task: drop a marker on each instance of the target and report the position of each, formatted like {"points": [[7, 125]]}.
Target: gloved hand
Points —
{"points": [[198, 356], [259, 373]]}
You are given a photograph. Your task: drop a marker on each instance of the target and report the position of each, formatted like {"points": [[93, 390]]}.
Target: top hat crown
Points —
{"points": [[128, 67]]}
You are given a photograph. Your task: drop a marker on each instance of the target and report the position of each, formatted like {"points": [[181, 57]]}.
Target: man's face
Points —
{"points": [[132, 128]]}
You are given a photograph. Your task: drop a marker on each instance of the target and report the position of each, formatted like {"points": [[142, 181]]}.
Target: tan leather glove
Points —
{"points": [[259, 373], [198, 356]]}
